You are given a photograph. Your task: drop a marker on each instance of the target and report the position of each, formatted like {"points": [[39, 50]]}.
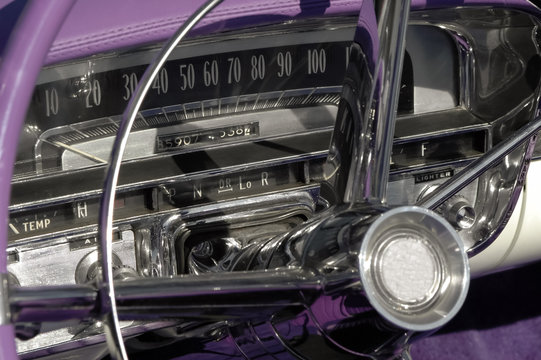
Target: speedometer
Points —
{"points": [[218, 82]]}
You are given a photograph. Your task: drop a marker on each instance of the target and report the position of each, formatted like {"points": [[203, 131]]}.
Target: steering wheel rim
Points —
{"points": [[17, 52], [105, 224], [23, 57]]}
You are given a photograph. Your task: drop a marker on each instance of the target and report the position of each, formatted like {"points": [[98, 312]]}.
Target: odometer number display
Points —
{"points": [[177, 141]]}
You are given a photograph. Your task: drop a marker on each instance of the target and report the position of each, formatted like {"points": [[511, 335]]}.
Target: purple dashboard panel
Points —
{"points": [[101, 25]]}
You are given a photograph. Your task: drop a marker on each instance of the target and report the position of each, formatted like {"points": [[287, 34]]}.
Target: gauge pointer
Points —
{"points": [[12, 227], [76, 151]]}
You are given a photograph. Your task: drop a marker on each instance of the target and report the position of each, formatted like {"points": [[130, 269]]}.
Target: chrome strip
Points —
{"points": [[154, 298], [63, 302], [359, 155]]}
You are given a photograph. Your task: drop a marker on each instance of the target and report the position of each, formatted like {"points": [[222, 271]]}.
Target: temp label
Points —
{"points": [[433, 175]]}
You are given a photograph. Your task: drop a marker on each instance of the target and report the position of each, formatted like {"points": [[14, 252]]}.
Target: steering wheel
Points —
{"points": [[21, 64], [365, 182]]}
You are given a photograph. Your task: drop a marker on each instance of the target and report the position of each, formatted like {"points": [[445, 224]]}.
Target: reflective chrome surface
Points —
{"points": [[315, 267], [414, 269], [392, 44], [5, 312], [491, 201]]}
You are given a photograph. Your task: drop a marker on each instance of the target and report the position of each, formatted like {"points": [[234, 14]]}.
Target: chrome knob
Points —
{"points": [[89, 268], [124, 272], [459, 212]]}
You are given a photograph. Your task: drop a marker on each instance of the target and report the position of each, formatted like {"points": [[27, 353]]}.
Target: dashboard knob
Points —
{"points": [[88, 268], [124, 272], [459, 212], [12, 279]]}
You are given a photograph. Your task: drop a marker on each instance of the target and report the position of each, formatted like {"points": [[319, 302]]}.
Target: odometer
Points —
{"points": [[175, 141]]}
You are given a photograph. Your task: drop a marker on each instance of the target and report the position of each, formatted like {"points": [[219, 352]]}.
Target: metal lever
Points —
{"points": [[392, 26], [357, 168]]}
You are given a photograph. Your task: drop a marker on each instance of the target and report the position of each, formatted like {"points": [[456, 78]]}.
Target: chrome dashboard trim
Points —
{"points": [[477, 167]]}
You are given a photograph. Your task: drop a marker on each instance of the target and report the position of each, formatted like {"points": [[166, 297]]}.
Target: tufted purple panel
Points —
{"points": [[101, 25]]}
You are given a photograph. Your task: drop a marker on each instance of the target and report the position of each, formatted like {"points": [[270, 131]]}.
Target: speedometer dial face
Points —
{"points": [[76, 107], [192, 80]]}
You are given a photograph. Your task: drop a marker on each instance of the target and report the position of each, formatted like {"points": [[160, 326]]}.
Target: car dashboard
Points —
{"points": [[230, 148]]}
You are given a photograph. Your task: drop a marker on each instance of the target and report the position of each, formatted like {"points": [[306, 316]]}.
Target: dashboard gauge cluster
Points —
{"points": [[241, 115], [231, 142], [189, 90]]}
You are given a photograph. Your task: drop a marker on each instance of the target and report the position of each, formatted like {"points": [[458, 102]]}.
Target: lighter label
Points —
{"points": [[434, 175]]}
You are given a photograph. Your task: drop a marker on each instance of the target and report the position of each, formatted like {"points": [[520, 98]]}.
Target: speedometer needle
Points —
{"points": [[76, 151], [14, 229]]}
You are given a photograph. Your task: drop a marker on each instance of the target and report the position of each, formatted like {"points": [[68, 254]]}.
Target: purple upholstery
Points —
{"points": [[119, 24], [100, 25]]}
